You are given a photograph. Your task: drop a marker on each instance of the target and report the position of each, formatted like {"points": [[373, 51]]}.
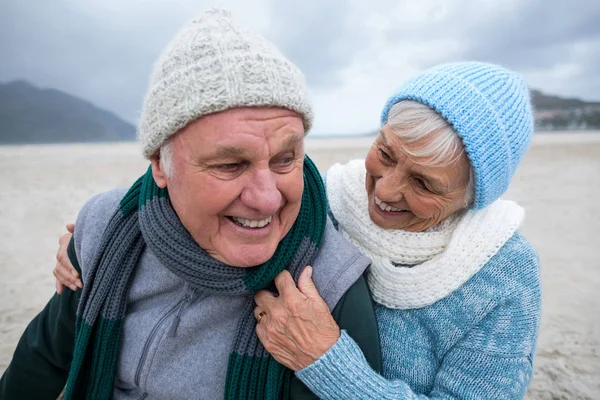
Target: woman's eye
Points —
{"points": [[421, 183], [384, 155]]}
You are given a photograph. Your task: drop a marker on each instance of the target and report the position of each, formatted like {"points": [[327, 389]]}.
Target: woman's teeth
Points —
{"points": [[386, 207], [251, 223]]}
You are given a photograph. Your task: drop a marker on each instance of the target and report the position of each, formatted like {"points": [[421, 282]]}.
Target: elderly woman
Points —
{"points": [[456, 287]]}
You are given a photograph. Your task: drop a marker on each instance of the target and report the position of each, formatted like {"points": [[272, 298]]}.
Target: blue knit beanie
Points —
{"points": [[490, 109]]}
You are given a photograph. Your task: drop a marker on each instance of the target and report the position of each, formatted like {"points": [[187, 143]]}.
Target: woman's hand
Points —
{"points": [[64, 272], [296, 327]]}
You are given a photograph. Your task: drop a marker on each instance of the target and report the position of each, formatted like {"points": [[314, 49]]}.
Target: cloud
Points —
{"points": [[99, 50], [354, 53], [319, 36], [540, 39]]}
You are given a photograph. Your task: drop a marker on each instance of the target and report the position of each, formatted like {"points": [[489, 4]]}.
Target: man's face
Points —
{"points": [[237, 181]]}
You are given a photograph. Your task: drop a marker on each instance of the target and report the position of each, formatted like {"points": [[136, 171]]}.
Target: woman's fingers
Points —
{"points": [[64, 277], [64, 271]]}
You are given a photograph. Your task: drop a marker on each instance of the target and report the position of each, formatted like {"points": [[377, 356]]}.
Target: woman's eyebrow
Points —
{"points": [[385, 143]]}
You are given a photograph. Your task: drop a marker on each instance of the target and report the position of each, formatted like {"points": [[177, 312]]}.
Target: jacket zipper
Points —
{"points": [[184, 303], [150, 339]]}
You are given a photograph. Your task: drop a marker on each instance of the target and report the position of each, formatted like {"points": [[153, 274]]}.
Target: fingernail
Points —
{"points": [[309, 271], [80, 285]]}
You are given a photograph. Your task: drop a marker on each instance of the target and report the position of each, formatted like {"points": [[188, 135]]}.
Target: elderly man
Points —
{"points": [[170, 265]]}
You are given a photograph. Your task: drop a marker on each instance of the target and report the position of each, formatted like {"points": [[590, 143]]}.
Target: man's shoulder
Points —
{"points": [[102, 203], [92, 221], [338, 266]]}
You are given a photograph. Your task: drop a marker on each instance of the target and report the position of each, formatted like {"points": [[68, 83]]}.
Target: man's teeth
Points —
{"points": [[386, 207], [251, 223]]}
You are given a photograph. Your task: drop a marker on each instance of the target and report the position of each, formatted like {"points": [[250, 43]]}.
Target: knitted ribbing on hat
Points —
{"points": [[146, 218], [213, 65], [416, 269], [489, 107]]}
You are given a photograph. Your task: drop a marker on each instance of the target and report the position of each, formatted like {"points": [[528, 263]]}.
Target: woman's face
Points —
{"points": [[408, 195]]}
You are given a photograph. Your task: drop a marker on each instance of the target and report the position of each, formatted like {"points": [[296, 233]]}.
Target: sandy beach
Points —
{"points": [[43, 188]]}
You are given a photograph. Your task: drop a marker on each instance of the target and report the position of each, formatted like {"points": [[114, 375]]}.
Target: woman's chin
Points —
{"points": [[406, 221], [387, 220]]}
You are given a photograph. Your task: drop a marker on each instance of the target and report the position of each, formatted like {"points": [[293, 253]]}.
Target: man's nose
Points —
{"points": [[261, 192]]}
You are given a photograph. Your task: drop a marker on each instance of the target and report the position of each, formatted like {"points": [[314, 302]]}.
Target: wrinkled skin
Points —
{"points": [[426, 194], [297, 327]]}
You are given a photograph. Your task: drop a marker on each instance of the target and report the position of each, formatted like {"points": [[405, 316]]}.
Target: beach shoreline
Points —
{"points": [[558, 184]]}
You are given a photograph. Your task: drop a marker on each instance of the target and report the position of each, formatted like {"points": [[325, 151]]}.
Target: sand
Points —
{"points": [[43, 187]]}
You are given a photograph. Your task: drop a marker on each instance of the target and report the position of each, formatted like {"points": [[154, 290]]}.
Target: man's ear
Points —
{"points": [[158, 172]]}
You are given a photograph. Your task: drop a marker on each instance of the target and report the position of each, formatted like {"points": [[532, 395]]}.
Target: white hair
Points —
{"points": [[414, 122], [166, 158]]}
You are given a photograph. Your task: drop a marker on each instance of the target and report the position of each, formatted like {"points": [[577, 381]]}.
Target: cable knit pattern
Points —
{"points": [[146, 218], [477, 342], [213, 64], [443, 258]]}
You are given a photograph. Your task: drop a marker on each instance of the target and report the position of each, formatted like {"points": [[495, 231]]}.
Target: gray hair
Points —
{"points": [[412, 122], [166, 157]]}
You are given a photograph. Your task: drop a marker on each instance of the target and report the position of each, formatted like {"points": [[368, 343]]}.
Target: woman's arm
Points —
{"points": [[64, 271], [487, 363], [343, 373], [40, 364]]}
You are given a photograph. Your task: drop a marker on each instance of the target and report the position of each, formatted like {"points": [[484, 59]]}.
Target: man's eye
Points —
{"points": [[229, 170], [283, 163], [229, 167]]}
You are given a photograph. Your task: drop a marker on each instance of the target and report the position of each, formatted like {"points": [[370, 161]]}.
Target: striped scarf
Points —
{"points": [[146, 218]]}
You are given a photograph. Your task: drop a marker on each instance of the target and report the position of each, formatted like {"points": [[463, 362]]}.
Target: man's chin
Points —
{"points": [[248, 258]]}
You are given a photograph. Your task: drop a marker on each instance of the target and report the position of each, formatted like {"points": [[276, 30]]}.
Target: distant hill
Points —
{"points": [[557, 113], [29, 114], [547, 102]]}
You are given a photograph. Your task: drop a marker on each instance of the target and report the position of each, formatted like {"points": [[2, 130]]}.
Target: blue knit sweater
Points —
{"points": [[477, 343]]}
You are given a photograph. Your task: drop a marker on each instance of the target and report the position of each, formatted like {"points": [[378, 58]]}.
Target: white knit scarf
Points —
{"points": [[440, 259]]}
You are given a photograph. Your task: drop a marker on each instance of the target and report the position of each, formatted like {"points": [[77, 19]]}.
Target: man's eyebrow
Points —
{"points": [[236, 151], [228, 151], [292, 140]]}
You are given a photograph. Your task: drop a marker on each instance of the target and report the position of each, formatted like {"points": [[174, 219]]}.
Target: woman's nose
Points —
{"points": [[389, 190]]}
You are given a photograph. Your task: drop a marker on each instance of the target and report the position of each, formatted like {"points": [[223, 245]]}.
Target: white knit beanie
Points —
{"points": [[213, 65]]}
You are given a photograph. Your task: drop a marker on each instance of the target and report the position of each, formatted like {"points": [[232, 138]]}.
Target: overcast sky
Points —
{"points": [[354, 53]]}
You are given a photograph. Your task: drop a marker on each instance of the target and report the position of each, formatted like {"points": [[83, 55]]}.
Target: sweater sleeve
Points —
{"points": [[492, 360], [41, 361], [343, 373]]}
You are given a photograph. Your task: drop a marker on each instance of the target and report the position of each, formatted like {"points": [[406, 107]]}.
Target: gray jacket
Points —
{"points": [[176, 340]]}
